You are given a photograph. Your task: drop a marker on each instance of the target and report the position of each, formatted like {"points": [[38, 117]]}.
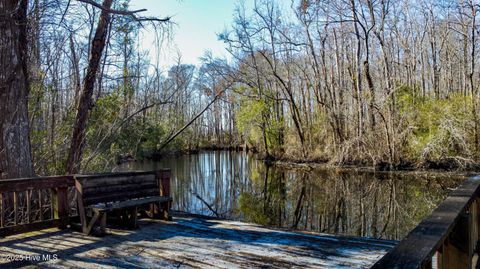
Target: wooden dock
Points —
{"points": [[189, 241]]}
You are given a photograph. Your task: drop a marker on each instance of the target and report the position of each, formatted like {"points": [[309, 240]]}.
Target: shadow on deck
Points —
{"points": [[189, 242]]}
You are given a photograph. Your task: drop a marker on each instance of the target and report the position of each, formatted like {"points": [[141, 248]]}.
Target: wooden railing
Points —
{"points": [[445, 239], [30, 204]]}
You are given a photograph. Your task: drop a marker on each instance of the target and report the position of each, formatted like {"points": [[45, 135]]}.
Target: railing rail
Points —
{"points": [[30, 204], [448, 237]]}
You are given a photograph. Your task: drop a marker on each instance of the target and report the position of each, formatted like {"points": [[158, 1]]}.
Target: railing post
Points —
{"points": [[473, 226], [473, 229], [164, 180], [457, 251], [427, 264], [60, 205], [440, 256], [163, 177], [476, 222], [1, 211], [15, 208], [28, 193]]}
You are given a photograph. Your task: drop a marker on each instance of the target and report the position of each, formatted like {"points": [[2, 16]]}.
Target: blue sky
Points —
{"points": [[198, 22]]}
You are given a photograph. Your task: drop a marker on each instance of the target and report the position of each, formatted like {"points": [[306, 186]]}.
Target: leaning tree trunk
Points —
{"points": [[86, 103], [15, 153]]}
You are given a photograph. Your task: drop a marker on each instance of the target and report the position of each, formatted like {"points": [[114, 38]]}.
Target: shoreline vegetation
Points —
{"points": [[459, 166]]}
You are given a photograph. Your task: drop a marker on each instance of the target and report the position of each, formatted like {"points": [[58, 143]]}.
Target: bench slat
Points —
{"points": [[118, 197], [123, 188], [121, 180], [131, 203]]}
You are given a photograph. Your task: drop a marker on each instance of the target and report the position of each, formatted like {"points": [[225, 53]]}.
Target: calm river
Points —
{"points": [[237, 186]]}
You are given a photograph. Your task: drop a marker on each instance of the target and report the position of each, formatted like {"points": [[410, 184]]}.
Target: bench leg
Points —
{"points": [[132, 218], [87, 229], [135, 218], [165, 211], [152, 213], [160, 211], [103, 223]]}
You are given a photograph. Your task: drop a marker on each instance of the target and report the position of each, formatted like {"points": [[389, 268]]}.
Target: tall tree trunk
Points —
{"points": [[76, 71], [86, 102], [358, 77], [473, 88], [15, 152]]}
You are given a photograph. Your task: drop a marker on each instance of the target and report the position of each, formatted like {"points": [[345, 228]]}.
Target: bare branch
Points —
{"points": [[131, 13]]}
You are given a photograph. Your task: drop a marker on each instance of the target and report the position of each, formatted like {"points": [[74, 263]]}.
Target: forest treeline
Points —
{"points": [[386, 83], [392, 84]]}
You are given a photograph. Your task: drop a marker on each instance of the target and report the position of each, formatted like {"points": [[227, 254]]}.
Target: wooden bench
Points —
{"points": [[124, 194]]}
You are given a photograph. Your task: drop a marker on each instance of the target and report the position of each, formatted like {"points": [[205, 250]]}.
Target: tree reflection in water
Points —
{"points": [[234, 185]]}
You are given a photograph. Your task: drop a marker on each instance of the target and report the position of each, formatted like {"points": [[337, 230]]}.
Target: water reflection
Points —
{"points": [[234, 185]]}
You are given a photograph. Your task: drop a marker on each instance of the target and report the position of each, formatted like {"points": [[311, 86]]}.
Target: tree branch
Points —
{"points": [[130, 13], [171, 137], [114, 129]]}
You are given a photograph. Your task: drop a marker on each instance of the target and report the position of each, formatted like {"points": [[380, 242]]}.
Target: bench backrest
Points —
{"points": [[114, 187]]}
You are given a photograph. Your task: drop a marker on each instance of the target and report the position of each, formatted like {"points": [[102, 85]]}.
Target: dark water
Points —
{"points": [[237, 186]]}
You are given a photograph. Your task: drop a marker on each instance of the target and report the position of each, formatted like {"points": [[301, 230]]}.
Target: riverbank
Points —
{"points": [[455, 164], [443, 165]]}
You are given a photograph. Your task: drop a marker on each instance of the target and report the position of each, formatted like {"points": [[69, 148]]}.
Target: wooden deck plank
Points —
{"points": [[191, 242]]}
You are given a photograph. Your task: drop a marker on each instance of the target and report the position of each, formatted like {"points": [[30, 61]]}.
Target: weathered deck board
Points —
{"points": [[192, 242]]}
